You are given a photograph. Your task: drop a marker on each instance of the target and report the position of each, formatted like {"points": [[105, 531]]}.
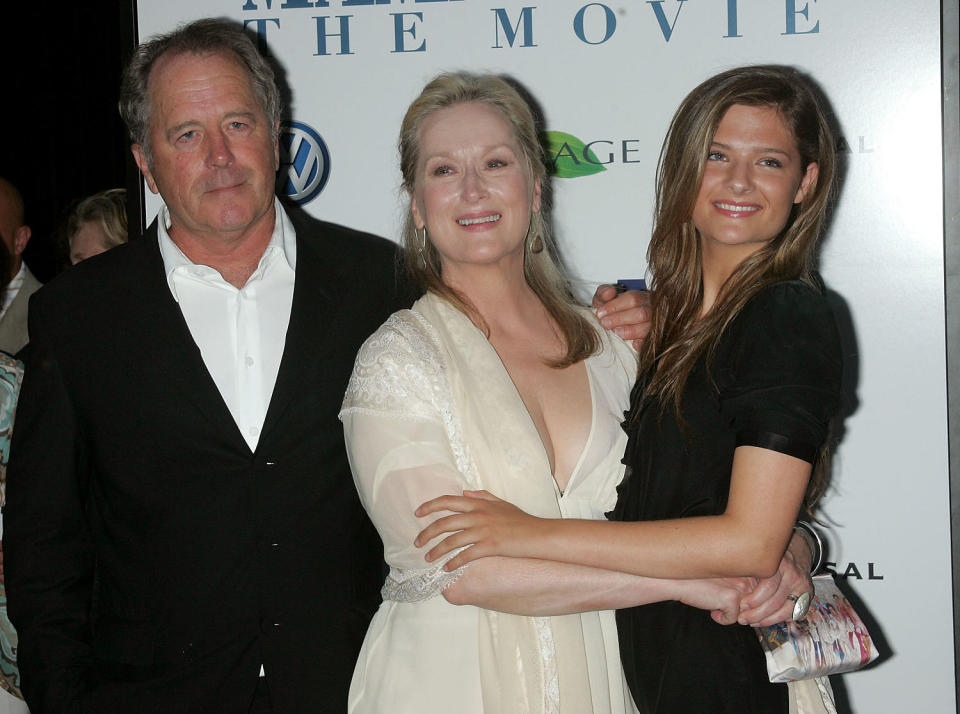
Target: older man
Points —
{"points": [[15, 234], [180, 511]]}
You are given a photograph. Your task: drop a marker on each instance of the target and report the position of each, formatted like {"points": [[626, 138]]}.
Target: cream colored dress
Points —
{"points": [[431, 410]]}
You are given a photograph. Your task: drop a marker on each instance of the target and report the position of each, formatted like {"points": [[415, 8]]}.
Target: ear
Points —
{"points": [[276, 146], [141, 158], [415, 212], [20, 239], [537, 196], [808, 182]]}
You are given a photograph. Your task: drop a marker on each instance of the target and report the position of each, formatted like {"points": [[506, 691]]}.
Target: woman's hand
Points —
{"points": [[489, 525], [767, 604], [720, 595]]}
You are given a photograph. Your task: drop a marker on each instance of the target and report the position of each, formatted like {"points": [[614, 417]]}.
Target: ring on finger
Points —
{"points": [[801, 604]]}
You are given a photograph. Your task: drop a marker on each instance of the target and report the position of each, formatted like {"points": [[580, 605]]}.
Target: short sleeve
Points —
{"points": [[400, 449], [779, 370]]}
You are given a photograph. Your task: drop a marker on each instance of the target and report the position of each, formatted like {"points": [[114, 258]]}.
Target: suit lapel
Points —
{"points": [[158, 313], [312, 310]]}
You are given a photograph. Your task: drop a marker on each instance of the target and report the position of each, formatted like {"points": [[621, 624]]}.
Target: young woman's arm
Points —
{"points": [[748, 539]]}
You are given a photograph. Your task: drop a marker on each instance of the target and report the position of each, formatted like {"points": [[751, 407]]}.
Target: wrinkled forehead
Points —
{"points": [[175, 71]]}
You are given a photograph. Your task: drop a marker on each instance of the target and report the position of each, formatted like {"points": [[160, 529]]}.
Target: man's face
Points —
{"points": [[13, 232], [214, 158]]}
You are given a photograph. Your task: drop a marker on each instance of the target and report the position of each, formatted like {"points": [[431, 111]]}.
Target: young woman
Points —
{"points": [[739, 379], [496, 379]]}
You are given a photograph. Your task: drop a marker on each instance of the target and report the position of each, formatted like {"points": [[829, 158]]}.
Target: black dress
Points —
{"points": [[774, 382]]}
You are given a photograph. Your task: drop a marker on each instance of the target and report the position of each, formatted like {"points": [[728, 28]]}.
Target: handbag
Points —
{"points": [[831, 639]]}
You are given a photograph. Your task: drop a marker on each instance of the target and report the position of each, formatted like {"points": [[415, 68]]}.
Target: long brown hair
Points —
{"points": [[679, 336], [541, 269]]}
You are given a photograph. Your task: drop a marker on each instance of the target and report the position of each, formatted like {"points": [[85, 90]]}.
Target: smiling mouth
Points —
{"points": [[736, 208], [474, 221]]}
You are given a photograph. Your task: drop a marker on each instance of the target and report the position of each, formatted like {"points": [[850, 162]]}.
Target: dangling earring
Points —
{"points": [[421, 249], [536, 245]]}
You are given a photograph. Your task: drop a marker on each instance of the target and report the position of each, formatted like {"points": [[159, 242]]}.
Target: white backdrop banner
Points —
{"points": [[608, 76]]}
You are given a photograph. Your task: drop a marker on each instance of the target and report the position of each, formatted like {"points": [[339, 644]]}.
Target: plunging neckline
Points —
{"points": [[532, 425]]}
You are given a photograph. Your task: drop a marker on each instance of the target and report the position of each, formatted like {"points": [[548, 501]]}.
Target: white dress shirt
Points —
{"points": [[240, 332]]}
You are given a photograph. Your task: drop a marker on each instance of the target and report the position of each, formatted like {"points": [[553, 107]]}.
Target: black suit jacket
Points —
{"points": [[153, 561]]}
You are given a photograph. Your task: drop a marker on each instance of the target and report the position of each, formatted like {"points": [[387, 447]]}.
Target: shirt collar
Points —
{"points": [[283, 241]]}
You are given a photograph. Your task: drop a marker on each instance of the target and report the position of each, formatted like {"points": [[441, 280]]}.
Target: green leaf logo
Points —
{"points": [[569, 157]]}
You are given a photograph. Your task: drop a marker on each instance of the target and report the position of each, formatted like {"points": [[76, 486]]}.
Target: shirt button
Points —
{"points": [[249, 361]]}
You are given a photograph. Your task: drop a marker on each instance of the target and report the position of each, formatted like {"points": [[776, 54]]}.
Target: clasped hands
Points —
{"points": [[485, 526]]}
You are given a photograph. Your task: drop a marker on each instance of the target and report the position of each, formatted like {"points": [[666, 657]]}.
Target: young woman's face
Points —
{"points": [[752, 178]]}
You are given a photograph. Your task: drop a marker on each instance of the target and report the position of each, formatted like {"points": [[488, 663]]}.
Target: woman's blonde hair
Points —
{"points": [[108, 210], [679, 337], [541, 269]]}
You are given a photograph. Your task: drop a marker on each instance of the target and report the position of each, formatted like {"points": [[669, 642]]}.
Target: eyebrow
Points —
{"points": [[448, 153], [762, 149], [174, 130]]}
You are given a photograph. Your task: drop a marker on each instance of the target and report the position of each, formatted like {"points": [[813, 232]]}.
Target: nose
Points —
{"points": [[740, 176], [219, 154], [474, 186]]}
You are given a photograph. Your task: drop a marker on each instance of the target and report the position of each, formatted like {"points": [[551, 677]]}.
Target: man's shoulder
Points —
{"points": [[105, 277], [340, 241]]}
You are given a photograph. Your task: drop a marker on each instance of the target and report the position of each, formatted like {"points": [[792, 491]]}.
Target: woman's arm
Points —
{"points": [[524, 586], [749, 538]]}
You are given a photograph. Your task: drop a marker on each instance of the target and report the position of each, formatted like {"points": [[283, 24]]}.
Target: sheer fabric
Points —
{"points": [[431, 410]]}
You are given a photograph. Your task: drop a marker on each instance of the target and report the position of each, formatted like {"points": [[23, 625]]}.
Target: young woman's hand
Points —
{"points": [[768, 603], [489, 525]]}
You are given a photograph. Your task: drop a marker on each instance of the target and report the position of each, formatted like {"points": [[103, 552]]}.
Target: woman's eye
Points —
{"points": [[496, 163], [716, 156], [442, 170], [773, 163]]}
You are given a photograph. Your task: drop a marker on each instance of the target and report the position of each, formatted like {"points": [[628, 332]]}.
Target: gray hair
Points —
{"points": [[202, 37]]}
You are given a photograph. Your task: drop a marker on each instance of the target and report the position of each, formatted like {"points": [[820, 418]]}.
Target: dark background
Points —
{"points": [[62, 137]]}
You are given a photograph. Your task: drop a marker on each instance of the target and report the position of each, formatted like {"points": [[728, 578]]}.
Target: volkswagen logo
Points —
{"points": [[304, 162]]}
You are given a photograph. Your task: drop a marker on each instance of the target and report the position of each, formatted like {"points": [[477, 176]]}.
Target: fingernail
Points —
{"points": [[620, 331], [601, 313], [416, 541]]}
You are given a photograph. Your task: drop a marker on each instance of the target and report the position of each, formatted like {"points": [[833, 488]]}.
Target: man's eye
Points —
{"points": [[496, 163], [187, 136], [442, 170], [773, 163]]}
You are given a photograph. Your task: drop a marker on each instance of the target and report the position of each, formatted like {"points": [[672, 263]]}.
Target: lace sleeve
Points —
{"points": [[400, 433]]}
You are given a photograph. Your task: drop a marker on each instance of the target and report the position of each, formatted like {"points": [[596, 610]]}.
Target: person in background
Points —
{"points": [[97, 224], [15, 234], [11, 375]]}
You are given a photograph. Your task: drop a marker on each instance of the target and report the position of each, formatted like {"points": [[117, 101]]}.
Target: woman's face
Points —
{"points": [[473, 190], [752, 178], [89, 240]]}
